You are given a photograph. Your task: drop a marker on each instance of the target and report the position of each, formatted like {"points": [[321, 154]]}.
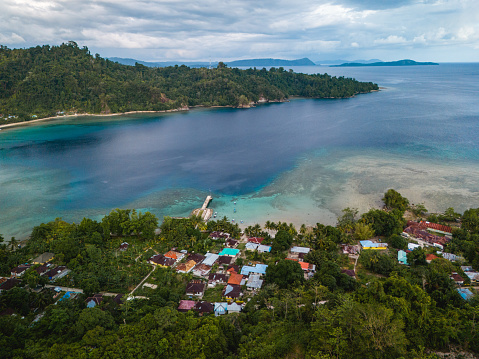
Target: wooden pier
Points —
{"points": [[204, 211]]}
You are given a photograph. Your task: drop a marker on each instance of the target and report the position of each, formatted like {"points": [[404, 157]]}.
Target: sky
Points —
{"points": [[225, 30]]}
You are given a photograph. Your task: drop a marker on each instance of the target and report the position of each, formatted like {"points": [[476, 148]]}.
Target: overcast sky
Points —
{"points": [[162, 30]]}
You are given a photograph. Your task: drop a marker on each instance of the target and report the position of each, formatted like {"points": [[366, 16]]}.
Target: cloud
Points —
{"points": [[391, 39], [13, 38], [186, 30]]}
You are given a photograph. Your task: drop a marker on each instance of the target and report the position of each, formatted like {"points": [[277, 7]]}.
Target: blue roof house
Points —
{"points": [[221, 308], [232, 252], [465, 293], [402, 257]]}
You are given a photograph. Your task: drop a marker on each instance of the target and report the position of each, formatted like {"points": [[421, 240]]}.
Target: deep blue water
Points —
{"points": [[72, 168]]}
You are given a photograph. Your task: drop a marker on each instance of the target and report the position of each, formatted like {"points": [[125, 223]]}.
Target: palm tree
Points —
{"points": [[196, 220], [12, 243], [268, 225]]}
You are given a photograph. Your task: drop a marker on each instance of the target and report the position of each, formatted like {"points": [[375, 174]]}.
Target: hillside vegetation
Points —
{"points": [[47, 80]]}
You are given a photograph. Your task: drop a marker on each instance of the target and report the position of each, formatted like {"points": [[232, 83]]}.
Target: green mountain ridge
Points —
{"points": [[266, 62], [44, 81]]}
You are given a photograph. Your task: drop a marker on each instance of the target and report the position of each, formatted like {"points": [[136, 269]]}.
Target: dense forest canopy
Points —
{"points": [[48, 80]]}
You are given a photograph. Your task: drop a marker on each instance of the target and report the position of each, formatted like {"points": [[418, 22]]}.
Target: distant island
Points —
{"points": [[390, 63], [236, 63], [342, 61], [48, 81], [271, 62]]}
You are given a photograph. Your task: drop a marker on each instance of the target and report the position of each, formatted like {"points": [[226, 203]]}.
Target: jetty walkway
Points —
{"points": [[204, 211]]}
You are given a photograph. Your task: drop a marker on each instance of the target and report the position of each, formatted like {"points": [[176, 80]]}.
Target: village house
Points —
{"points": [[256, 240], [210, 259], [18, 271], [257, 269], [402, 257], [413, 246], [232, 269], [43, 258], [234, 308], [92, 302], [236, 279], [263, 249], [230, 252], [219, 235], [186, 305], [232, 292], [308, 269], [430, 257], [221, 308], [254, 282], [162, 261], [473, 276], [41, 270], [231, 243], [224, 260], [185, 267], [373, 245], [465, 293], [298, 252], [203, 307], [177, 256], [350, 249], [349, 272], [197, 258], [123, 247], [251, 246], [457, 278], [216, 278], [195, 288], [57, 272], [451, 257], [420, 231], [201, 270]]}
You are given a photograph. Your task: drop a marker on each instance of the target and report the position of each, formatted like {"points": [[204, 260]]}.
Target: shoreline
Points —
{"points": [[25, 123], [181, 109]]}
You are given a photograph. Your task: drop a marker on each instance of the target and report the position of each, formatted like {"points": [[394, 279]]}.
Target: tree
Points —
{"points": [[12, 243], [418, 209], [393, 200], [90, 286], [362, 231], [281, 241], [91, 318], [32, 278], [384, 223], [285, 274], [347, 220], [397, 241], [470, 220], [417, 257]]}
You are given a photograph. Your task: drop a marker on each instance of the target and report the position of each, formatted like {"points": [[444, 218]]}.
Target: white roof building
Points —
{"points": [[210, 259]]}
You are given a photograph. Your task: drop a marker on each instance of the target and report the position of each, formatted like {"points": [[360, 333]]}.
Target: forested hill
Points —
{"points": [[45, 80]]}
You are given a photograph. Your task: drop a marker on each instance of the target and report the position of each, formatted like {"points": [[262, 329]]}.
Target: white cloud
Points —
{"points": [[390, 40], [13, 38], [165, 29]]}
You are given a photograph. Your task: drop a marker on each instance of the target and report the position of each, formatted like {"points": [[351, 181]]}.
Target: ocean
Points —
{"points": [[301, 161]]}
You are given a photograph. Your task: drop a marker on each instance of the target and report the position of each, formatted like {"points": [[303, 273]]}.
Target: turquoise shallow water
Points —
{"points": [[301, 161]]}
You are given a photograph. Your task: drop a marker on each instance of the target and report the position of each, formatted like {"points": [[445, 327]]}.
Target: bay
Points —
{"points": [[301, 161]]}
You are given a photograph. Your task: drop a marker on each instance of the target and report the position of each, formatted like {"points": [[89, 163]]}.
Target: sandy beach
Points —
{"points": [[45, 119]]}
